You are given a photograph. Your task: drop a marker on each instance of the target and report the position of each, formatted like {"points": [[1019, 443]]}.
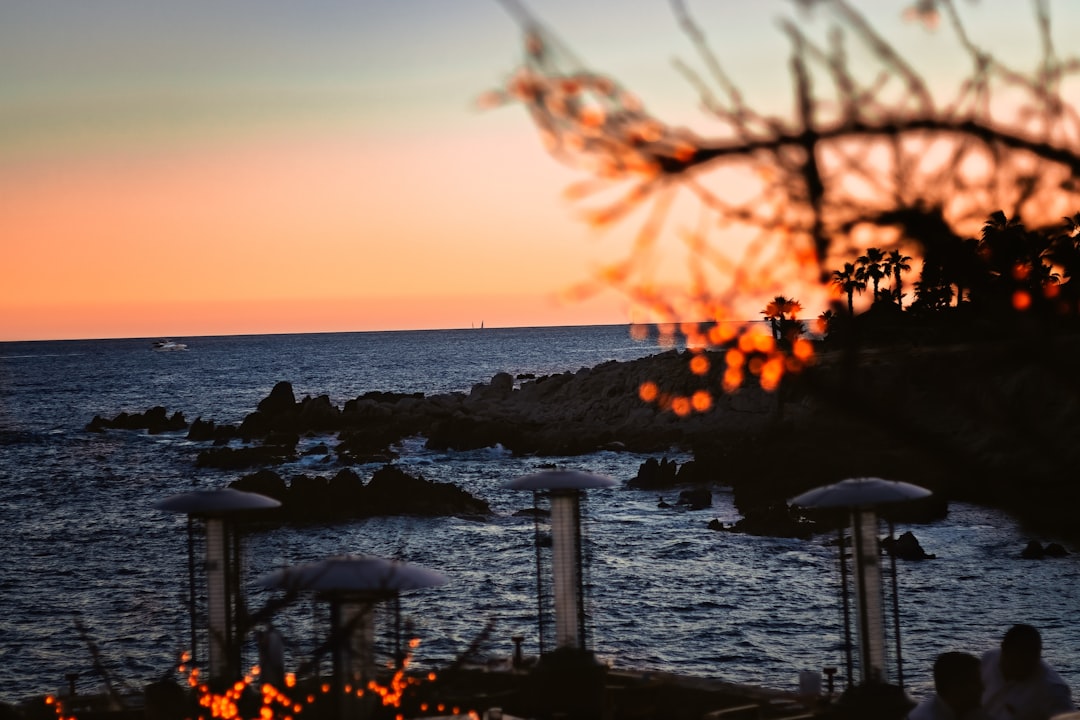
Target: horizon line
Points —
{"points": [[360, 332]]}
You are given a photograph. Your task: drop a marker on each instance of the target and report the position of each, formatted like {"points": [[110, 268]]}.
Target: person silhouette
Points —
{"points": [[958, 689], [1018, 685]]}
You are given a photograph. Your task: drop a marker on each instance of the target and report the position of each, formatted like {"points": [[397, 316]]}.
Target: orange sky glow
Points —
{"points": [[259, 169]]}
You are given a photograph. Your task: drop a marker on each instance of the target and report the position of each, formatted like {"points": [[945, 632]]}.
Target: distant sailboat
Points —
{"points": [[166, 345]]}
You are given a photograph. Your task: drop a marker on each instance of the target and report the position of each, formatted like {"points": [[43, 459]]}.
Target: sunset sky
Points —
{"points": [[198, 168]]}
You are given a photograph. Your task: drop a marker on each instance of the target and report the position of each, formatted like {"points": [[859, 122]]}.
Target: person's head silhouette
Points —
{"points": [[958, 682], [1021, 650]]}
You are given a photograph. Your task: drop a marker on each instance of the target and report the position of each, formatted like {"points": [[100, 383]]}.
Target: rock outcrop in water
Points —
{"points": [[155, 420], [988, 422], [391, 491], [906, 547], [565, 414]]}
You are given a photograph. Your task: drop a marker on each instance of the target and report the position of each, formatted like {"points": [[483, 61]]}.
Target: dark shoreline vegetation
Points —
{"points": [[970, 391], [975, 415]]}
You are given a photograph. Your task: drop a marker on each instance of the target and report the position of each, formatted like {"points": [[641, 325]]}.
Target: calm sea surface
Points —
{"points": [[81, 538]]}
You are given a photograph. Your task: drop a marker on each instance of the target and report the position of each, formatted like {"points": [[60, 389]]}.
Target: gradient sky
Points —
{"points": [[254, 166]]}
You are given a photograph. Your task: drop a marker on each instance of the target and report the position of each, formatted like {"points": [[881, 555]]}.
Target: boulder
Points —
{"points": [[155, 420], [772, 520], [392, 491], [264, 482], [201, 430], [905, 547], [318, 414], [281, 399], [1055, 550], [467, 432], [345, 496], [501, 383], [1033, 551], [692, 472], [346, 489], [158, 421], [371, 444], [653, 475], [695, 499], [278, 411]]}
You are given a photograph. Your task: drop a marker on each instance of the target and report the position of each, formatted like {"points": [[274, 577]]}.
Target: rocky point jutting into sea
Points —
{"points": [[985, 422]]}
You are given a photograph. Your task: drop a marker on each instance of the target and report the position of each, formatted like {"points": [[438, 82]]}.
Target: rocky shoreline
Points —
{"points": [[986, 422]]}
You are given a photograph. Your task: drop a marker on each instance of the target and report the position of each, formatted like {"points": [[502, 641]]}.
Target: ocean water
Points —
{"points": [[83, 542]]}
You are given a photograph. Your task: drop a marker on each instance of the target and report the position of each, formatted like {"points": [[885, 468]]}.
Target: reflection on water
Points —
{"points": [[82, 538]]}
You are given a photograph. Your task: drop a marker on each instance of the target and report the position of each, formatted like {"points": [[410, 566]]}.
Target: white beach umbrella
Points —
{"points": [[352, 584], [561, 480], [216, 502], [353, 574], [862, 492], [861, 496], [221, 567], [565, 488]]}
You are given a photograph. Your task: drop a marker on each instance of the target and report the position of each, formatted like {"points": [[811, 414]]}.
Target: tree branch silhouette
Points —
{"points": [[867, 150]]}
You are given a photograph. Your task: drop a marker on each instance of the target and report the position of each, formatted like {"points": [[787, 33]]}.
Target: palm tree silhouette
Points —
{"points": [[850, 281], [895, 264], [1014, 259], [824, 322], [871, 267], [1063, 252], [781, 312]]}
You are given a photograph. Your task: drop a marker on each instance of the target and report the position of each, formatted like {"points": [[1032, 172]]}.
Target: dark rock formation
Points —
{"points": [[568, 413], [264, 482], [1055, 550], [155, 420], [695, 499], [1034, 550], [905, 547], [775, 520], [318, 415], [206, 430], [976, 419], [281, 400], [654, 475], [693, 472], [390, 491]]}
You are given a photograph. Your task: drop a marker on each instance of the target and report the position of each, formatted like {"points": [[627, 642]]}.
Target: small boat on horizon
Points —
{"points": [[166, 345]]}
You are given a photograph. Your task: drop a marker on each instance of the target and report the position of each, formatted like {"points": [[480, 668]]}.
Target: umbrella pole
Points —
{"points": [[237, 616], [846, 605], [896, 610], [341, 659], [539, 573], [399, 659], [191, 586]]}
